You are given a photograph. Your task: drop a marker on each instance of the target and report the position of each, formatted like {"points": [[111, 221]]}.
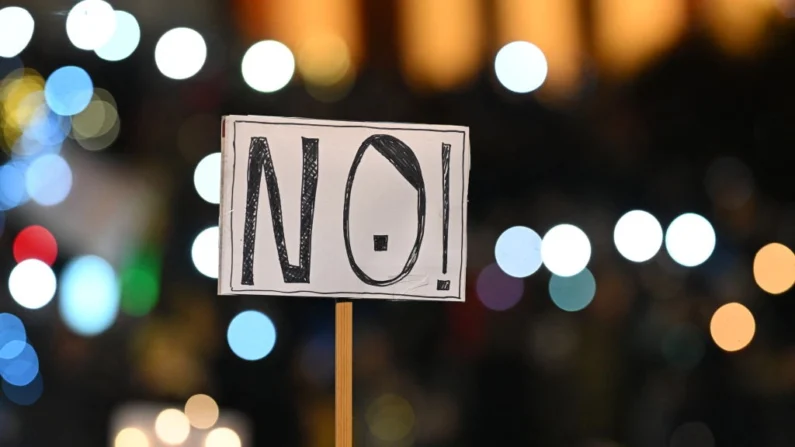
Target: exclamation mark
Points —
{"points": [[445, 284]]}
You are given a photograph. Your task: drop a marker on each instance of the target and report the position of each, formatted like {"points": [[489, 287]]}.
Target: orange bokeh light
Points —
{"points": [[732, 327], [774, 268]]}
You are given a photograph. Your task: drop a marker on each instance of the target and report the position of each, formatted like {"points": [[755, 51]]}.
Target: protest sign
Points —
{"points": [[343, 209]]}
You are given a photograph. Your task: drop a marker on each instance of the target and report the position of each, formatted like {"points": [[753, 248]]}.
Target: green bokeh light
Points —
{"points": [[140, 283]]}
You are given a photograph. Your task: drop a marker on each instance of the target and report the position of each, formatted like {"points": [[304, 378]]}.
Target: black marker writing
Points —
{"points": [[445, 202], [259, 163], [403, 159]]}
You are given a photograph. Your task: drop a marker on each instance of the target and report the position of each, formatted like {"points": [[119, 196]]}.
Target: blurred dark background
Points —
{"points": [[667, 106]]}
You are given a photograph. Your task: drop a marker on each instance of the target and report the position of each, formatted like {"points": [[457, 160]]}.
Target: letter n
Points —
{"points": [[260, 163]]}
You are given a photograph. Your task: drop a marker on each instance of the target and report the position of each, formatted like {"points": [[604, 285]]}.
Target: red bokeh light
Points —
{"points": [[35, 242]]}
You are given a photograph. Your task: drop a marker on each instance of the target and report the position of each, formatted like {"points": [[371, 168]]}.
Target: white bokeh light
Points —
{"points": [[638, 236], [268, 66], [32, 284], [180, 53], [205, 252], [207, 178], [90, 24], [16, 30], [124, 40], [48, 180], [521, 67], [518, 252], [565, 250], [690, 240], [172, 427], [222, 437]]}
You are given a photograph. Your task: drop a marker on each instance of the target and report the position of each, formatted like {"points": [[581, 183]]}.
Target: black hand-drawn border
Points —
{"points": [[346, 293]]}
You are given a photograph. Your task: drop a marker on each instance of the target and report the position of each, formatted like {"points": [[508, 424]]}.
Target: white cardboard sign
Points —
{"points": [[343, 209]]}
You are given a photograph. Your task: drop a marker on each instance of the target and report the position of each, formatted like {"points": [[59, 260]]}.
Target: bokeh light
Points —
{"points": [[22, 369], [16, 30], [124, 40], [48, 180], [390, 418], [207, 178], [690, 240], [518, 251], [692, 434], [204, 252], [521, 67], [323, 59], [180, 53], [638, 236], [774, 268], [202, 411], [97, 120], [498, 291], [222, 437], [732, 327], [268, 66], [68, 90], [251, 335], [140, 282], [12, 185], [89, 295], [565, 250], [90, 24], [24, 395], [131, 437], [172, 427], [22, 98], [105, 137], [32, 284], [46, 129], [13, 336], [573, 293], [35, 242]]}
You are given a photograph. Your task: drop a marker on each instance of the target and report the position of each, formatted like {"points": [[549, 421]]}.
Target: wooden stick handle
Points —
{"points": [[343, 342]]}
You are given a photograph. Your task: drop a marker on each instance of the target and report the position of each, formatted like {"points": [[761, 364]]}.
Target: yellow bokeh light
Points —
{"points": [[172, 427], [628, 34], [442, 41], [222, 437], [739, 25], [22, 98], [131, 437], [100, 94], [202, 411], [323, 59], [390, 418], [102, 141], [732, 327], [95, 120], [774, 268]]}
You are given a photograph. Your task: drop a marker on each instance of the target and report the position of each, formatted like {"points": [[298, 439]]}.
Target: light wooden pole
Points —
{"points": [[343, 371]]}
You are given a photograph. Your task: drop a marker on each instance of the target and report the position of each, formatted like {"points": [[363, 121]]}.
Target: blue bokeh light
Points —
{"points": [[251, 335], [573, 293], [89, 295], [68, 90], [24, 395], [22, 369], [47, 128], [518, 252], [12, 184], [13, 336], [48, 179]]}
